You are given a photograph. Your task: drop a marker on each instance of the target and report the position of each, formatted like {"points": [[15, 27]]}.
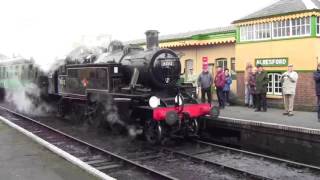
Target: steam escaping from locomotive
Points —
{"points": [[27, 100]]}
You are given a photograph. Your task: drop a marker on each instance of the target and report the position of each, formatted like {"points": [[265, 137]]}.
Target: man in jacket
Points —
{"points": [[262, 81], [316, 77], [289, 83], [219, 82], [205, 82]]}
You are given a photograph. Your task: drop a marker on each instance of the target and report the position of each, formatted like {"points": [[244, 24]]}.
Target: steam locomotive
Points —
{"points": [[129, 85]]}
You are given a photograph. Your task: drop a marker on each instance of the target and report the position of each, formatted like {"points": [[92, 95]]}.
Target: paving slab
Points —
{"points": [[23, 159], [300, 118]]}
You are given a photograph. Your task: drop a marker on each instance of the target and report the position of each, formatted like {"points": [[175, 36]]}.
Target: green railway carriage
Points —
{"points": [[16, 74]]}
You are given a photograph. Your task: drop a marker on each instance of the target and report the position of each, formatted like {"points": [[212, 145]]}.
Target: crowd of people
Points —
{"points": [[222, 82], [256, 87], [256, 84]]}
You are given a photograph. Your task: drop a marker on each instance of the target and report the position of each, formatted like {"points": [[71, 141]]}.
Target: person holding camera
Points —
{"points": [[289, 83]]}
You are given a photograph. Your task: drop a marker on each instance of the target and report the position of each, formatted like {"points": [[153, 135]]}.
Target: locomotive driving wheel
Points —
{"points": [[193, 127], [153, 132], [62, 108], [77, 114], [95, 119]]}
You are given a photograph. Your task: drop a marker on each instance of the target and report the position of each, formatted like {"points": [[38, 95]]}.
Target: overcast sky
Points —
{"points": [[43, 28]]}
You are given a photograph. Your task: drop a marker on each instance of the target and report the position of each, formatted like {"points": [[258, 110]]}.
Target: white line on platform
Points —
{"points": [[272, 124], [60, 152]]}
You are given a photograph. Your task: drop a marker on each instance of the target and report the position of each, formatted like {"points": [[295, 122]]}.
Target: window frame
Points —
{"points": [[296, 27], [187, 68], [285, 28], [225, 65], [300, 25], [273, 82]]}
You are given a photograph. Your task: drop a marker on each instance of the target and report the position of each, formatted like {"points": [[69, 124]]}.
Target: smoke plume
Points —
{"points": [[26, 99]]}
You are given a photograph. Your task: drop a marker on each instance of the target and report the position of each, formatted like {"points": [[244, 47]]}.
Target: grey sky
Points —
{"points": [[45, 29]]}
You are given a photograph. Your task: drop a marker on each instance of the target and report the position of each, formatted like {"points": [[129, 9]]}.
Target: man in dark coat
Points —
{"points": [[262, 81], [316, 77], [219, 82]]}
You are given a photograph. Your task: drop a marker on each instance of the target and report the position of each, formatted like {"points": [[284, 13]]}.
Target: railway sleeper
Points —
{"points": [[109, 167], [97, 161]]}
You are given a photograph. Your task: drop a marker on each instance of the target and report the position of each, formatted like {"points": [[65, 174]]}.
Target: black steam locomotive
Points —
{"points": [[130, 85]]}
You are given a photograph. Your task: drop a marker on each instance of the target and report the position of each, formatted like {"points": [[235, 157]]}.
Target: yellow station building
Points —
{"points": [[286, 32]]}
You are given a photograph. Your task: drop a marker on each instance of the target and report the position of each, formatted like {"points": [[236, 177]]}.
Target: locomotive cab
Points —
{"points": [[81, 79]]}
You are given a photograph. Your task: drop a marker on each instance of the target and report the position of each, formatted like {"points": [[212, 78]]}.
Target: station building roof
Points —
{"points": [[282, 7], [198, 37]]}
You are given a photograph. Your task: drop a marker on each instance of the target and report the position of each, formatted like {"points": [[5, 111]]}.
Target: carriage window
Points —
{"points": [[101, 73], [73, 73], [92, 75], [16, 71]]}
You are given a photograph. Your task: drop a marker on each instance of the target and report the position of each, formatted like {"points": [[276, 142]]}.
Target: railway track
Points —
{"points": [[260, 156], [102, 161], [256, 165], [110, 163], [170, 163], [193, 157]]}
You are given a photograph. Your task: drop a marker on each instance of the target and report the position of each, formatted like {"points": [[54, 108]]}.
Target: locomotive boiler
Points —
{"points": [[130, 85]]}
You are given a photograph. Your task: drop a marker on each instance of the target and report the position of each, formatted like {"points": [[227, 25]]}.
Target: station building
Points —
{"points": [[286, 32]]}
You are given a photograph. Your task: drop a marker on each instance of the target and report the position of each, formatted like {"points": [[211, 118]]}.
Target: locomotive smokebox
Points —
{"points": [[152, 39]]}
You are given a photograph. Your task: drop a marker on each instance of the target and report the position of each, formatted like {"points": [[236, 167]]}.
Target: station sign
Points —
{"points": [[272, 62]]}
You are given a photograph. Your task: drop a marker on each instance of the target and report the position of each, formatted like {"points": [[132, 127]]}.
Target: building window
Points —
{"points": [[233, 65], [222, 62], [318, 25], [255, 32], [300, 26], [281, 28], [262, 31], [189, 66], [247, 33], [274, 85]]}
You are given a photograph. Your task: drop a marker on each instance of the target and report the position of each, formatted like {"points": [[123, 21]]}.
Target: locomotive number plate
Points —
{"points": [[167, 63]]}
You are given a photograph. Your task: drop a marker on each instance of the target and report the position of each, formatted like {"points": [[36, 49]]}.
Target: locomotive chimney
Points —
{"points": [[152, 39]]}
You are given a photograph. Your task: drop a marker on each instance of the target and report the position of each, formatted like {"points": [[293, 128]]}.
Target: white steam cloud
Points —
{"points": [[26, 99]]}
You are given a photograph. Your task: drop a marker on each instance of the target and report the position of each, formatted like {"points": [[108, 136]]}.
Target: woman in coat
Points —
{"points": [[226, 88], [252, 87]]}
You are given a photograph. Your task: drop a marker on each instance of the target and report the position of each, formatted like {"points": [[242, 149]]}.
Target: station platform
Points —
{"points": [[295, 138], [273, 117], [23, 159]]}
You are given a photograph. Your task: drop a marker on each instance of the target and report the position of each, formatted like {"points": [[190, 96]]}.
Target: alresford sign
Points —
{"points": [[272, 62]]}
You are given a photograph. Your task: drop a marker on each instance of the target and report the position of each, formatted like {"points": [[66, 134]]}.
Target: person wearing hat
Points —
{"points": [[289, 83], [316, 76], [205, 82], [262, 81]]}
